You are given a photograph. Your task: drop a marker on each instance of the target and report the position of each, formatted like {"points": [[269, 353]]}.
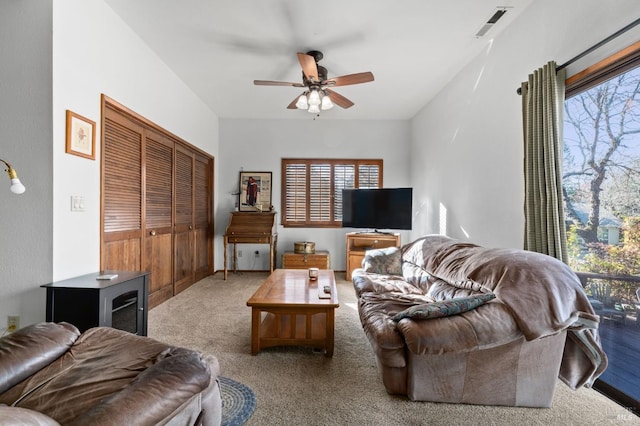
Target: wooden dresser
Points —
{"points": [[358, 243], [319, 259], [251, 228]]}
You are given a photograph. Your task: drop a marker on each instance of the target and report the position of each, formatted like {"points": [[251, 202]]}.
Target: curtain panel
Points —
{"points": [[542, 115]]}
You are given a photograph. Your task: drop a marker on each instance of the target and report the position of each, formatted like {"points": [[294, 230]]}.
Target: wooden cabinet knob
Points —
{"points": [[153, 233]]}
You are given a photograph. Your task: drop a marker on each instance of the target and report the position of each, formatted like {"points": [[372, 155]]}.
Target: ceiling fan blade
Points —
{"points": [[309, 67], [276, 83], [345, 80], [292, 105], [338, 99]]}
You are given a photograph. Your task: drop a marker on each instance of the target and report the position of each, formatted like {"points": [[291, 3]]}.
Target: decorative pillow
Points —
{"points": [[444, 308], [386, 261]]}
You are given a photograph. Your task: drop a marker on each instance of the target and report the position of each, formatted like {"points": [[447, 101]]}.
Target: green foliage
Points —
{"points": [[620, 259]]}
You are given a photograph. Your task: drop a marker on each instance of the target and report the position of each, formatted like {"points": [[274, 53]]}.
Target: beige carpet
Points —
{"points": [[296, 386]]}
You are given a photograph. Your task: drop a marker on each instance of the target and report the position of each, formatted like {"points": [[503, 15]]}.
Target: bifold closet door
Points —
{"points": [[122, 235], [183, 229], [157, 204], [203, 230], [158, 218]]}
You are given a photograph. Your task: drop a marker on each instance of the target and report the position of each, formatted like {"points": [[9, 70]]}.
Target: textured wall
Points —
{"points": [[26, 224]]}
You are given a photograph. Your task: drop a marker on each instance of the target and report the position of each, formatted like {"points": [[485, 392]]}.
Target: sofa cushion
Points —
{"points": [[444, 308], [383, 261], [379, 283]]}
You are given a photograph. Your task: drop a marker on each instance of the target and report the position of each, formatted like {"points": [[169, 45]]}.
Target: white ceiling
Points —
{"points": [[218, 47]]}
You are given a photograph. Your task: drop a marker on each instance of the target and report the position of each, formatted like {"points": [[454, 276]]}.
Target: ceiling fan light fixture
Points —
{"points": [[314, 98], [302, 102], [326, 102], [314, 109]]}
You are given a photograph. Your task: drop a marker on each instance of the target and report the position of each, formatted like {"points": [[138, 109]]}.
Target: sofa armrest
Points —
{"points": [[489, 325], [16, 416], [155, 393], [32, 348]]}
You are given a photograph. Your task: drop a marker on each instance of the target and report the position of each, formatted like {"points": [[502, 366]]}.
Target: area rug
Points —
{"points": [[238, 402]]}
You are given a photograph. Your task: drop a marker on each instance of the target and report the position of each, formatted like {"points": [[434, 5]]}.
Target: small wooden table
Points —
{"points": [[294, 314]]}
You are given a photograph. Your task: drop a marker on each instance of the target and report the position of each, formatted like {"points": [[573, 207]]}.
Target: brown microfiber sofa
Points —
{"points": [[508, 351], [52, 374]]}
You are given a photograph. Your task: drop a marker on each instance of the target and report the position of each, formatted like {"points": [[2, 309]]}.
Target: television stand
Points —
{"points": [[375, 231], [359, 242]]}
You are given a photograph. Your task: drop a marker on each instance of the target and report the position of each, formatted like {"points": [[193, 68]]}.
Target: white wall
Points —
{"points": [[259, 145], [466, 145], [25, 142], [42, 74], [96, 53]]}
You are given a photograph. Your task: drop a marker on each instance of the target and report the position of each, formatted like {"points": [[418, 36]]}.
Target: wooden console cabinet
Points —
{"points": [[358, 243], [87, 302], [319, 259]]}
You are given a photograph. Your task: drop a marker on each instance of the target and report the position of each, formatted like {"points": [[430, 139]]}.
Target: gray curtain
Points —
{"points": [[542, 112]]}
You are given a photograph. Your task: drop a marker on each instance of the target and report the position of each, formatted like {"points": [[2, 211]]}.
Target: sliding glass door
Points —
{"points": [[601, 187]]}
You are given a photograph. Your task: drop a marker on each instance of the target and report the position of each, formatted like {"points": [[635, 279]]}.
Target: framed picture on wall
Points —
{"points": [[81, 136], [255, 191]]}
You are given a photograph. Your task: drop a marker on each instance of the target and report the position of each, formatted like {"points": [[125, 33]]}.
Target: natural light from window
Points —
{"points": [[601, 187]]}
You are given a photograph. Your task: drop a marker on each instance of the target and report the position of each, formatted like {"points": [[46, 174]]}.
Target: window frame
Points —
{"points": [[333, 162]]}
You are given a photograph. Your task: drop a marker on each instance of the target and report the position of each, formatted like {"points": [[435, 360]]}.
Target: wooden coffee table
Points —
{"points": [[286, 311]]}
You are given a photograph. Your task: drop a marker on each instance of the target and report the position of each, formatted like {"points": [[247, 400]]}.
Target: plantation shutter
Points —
{"points": [[345, 178], [295, 193], [320, 193], [368, 176], [312, 188]]}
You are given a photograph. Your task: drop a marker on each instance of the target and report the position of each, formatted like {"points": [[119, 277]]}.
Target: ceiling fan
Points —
{"points": [[318, 95]]}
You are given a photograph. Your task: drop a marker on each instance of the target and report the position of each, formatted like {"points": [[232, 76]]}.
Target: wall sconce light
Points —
{"points": [[16, 186]]}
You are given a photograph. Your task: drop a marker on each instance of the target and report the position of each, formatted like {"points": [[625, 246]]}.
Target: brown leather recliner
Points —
{"points": [[508, 351], [50, 373]]}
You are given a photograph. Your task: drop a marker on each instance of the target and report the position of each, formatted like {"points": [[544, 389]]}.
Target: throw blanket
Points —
{"points": [[543, 294]]}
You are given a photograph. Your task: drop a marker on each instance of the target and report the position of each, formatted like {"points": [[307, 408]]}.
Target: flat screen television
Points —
{"points": [[384, 208]]}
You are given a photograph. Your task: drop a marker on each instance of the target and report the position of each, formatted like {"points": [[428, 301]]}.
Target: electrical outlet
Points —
{"points": [[13, 323], [256, 253], [239, 253]]}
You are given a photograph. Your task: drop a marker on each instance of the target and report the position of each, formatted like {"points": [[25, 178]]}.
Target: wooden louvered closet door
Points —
{"points": [[184, 264], [157, 194], [158, 216], [122, 194], [203, 232]]}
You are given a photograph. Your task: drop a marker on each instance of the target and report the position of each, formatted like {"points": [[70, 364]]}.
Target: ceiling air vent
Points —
{"points": [[491, 21]]}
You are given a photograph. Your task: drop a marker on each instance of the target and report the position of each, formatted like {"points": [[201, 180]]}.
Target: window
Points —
{"points": [[601, 187], [312, 188]]}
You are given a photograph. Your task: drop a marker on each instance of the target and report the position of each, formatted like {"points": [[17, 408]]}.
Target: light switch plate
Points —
{"points": [[77, 203]]}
